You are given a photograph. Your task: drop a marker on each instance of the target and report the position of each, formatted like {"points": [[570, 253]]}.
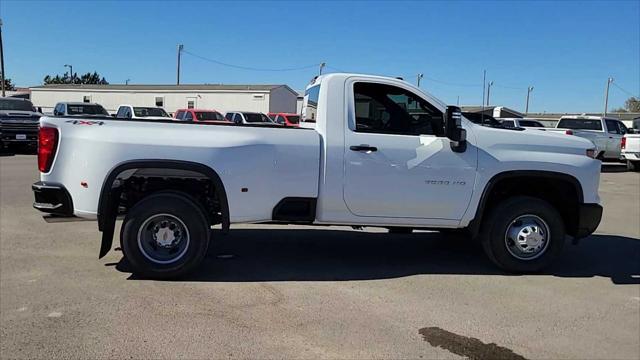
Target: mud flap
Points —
{"points": [[109, 221]]}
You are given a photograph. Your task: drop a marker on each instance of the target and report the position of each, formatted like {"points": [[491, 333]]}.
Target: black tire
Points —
{"points": [[494, 239], [400, 230], [633, 165], [190, 250]]}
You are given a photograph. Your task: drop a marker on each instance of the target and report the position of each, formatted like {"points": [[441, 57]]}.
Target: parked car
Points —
{"points": [[248, 118], [605, 133], [630, 148], [399, 159], [199, 115], [79, 109], [19, 122], [285, 119], [520, 123], [142, 113]]}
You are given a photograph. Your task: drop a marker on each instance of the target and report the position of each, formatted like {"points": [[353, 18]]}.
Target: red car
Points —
{"points": [[285, 119], [199, 115]]}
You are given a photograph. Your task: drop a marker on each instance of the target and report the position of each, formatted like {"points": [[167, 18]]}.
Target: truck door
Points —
{"points": [[614, 139], [397, 163]]}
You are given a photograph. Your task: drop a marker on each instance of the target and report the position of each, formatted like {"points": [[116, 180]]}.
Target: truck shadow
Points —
{"points": [[249, 255]]}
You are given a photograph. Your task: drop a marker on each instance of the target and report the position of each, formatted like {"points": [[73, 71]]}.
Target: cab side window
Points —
{"points": [[180, 114], [121, 111], [388, 109], [612, 127], [228, 116], [188, 116]]}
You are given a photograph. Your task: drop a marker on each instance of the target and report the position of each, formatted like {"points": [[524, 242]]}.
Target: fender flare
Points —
{"points": [[110, 195], [474, 225]]}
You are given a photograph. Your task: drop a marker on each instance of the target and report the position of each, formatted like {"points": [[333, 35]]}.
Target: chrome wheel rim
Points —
{"points": [[163, 238], [527, 237]]}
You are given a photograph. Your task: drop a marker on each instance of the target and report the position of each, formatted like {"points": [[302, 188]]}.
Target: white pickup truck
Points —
{"points": [[605, 133], [373, 151], [631, 146]]}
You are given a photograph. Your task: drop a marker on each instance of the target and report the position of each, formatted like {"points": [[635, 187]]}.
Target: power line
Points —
{"points": [[625, 91], [452, 84], [248, 67]]}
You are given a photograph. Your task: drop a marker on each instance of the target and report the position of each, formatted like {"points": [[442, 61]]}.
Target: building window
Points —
{"points": [[86, 98], [159, 101], [191, 104], [258, 96]]}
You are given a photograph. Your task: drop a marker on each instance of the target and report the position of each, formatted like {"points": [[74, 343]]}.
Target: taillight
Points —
{"points": [[569, 132], [623, 143], [47, 144]]}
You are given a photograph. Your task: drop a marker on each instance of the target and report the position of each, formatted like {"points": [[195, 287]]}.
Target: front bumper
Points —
{"points": [[589, 216], [52, 198]]}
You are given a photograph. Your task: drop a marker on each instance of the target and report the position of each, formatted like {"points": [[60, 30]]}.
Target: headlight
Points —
{"points": [[591, 153]]}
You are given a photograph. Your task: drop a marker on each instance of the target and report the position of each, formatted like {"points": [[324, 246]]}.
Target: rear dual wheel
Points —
{"points": [[165, 236]]}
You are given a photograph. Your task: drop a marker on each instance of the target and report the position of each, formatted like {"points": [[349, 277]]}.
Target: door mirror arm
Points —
{"points": [[453, 129]]}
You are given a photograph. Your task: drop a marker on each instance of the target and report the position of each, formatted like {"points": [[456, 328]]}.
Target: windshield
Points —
{"points": [[149, 111], [580, 124], [293, 119], [208, 115], [22, 105], [86, 110], [486, 120], [530, 123], [256, 118]]}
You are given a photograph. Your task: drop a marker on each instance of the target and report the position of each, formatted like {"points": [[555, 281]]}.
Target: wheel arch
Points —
{"points": [[542, 175], [111, 191]]}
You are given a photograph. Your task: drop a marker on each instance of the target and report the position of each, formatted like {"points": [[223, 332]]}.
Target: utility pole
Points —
{"points": [[126, 82], [606, 95], [420, 76], [1, 60], [484, 80], [180, 47], [529, 90], [322, 65], [489, 91], [70, 72], [458, 101]]}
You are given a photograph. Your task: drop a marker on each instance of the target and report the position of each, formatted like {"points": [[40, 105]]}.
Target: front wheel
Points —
{"points": [[164, 236], [523, 234]]}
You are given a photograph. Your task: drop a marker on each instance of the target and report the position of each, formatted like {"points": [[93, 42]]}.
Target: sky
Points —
{"points": [[565, 50]]}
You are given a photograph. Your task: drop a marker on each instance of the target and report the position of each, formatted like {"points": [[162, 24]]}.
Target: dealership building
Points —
{"points": [[258, 98]]}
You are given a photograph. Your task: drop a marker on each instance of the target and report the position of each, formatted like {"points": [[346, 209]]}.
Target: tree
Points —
{"points": [[632, 104], [8, 86], [66, 78]]}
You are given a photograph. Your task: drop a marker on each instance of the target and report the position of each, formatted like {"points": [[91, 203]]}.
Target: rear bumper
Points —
{"points": [[589, 216], [52, 198], [23, 133]]}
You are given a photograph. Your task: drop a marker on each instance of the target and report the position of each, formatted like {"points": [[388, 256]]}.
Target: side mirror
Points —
{"points": [[453, 129]]}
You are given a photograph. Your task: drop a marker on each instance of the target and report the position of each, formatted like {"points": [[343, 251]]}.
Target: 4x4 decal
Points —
{"points": [[85, 122]]}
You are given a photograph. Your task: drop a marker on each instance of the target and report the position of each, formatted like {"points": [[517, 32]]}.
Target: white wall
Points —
{"points": [[222, 101], [282, 100]]}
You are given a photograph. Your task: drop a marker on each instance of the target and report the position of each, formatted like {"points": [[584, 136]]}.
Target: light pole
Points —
{"points": [[606, 95], [126, 82], [420, 76], [180, 48], [529, 90], [322, 65], [70, 71], [489, 91], [1, 60]]}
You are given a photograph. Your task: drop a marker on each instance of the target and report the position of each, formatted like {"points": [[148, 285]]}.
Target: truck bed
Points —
{"points": [[259, 166]]}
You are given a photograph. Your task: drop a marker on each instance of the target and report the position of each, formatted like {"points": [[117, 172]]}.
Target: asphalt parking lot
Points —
{"points": [[312, 292]]}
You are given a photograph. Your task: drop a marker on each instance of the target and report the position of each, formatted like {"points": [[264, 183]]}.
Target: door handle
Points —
{"points": [[363, 147]]}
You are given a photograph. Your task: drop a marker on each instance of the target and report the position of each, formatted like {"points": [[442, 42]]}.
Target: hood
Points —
{"points": [[531, 140]]}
